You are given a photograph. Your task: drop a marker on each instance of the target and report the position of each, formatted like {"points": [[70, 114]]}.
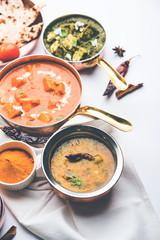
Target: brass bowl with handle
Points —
{"points": [[96, 59], [49, 129]]}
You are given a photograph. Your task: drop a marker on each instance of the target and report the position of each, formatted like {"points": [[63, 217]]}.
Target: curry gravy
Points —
{"points": [[38, 94]]}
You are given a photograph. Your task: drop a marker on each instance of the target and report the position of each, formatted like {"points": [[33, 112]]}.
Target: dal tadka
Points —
{"points": [[17, 22], [85, 173]]}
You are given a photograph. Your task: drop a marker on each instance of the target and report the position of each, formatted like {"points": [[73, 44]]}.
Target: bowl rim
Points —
{"points": [[92, 194], [18, 147]]}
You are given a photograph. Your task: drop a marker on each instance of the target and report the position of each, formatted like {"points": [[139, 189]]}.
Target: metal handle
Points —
{"points": [[114, 76], [115, 121]]}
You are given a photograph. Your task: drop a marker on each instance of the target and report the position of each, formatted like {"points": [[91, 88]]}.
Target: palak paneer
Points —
{"points": [[74, 37]]}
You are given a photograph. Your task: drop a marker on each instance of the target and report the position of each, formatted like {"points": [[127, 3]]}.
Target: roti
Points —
{"points": [[17, 22]]}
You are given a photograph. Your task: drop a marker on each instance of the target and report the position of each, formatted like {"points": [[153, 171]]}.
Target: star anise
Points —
{"points": [[119, 51]]}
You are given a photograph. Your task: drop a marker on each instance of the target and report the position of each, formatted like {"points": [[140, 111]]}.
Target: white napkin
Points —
{"points": [[125, 213]]}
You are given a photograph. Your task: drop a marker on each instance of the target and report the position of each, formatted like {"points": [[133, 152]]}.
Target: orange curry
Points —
{"points": [[38, 94]]}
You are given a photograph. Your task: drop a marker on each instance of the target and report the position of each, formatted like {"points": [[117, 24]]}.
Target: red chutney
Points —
{"points": [[38, 94]]}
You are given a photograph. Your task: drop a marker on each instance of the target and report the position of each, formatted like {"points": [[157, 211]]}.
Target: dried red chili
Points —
{"points": [[122, 69], [79, 156], [17, 134]]}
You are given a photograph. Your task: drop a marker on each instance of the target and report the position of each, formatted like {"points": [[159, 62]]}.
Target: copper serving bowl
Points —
{"points": [[81, 131], [96, 59], [48, 129]]}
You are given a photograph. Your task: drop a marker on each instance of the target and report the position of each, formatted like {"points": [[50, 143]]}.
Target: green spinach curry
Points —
{"points": [[74, 38]]}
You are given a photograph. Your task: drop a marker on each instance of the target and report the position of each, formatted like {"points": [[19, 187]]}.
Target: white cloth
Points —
{"points": [[125, 213]]}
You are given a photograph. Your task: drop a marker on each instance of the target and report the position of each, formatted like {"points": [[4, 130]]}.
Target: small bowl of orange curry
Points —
{"points": [[82, 163], [17, 165]]}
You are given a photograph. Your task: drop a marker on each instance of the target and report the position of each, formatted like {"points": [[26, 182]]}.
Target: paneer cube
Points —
{"points": [[35, 101], [18, 81], [68, 42], [59, 89], [52, 104], [51, 36], [26, 106], [48, 83], [11, 111], [45, 117], [88, 33], [54, 46], [77, 56], [29, 103]]}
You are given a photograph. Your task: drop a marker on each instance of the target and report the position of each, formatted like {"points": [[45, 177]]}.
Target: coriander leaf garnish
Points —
{"points": [[21, 92], [60, 118], [64, 33], [41, 109], [75, 43], [55, 83]]}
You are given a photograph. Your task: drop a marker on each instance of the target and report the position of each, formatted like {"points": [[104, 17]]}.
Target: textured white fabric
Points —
{"points": [[125, 213]]}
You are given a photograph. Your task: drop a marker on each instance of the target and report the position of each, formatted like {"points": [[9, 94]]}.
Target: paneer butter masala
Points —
{"points": [[83, 164], [38, 94]]}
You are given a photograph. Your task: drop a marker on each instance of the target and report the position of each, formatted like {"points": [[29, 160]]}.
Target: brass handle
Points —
{"points": [[115, 121], [114, 76]]}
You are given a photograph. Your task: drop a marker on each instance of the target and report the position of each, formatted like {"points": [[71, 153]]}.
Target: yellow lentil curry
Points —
{"points": [[83, 164]]}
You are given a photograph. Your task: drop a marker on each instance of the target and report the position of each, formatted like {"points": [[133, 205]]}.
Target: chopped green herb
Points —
{"points": [[79, 183], [93, 39], [75, 43], [75, 181], [21, 92], [41, 109], [55, 83], [60, 118], [64, 33]]}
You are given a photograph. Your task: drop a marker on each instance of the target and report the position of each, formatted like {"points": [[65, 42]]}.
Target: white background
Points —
{"points": [[134, 25]]}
